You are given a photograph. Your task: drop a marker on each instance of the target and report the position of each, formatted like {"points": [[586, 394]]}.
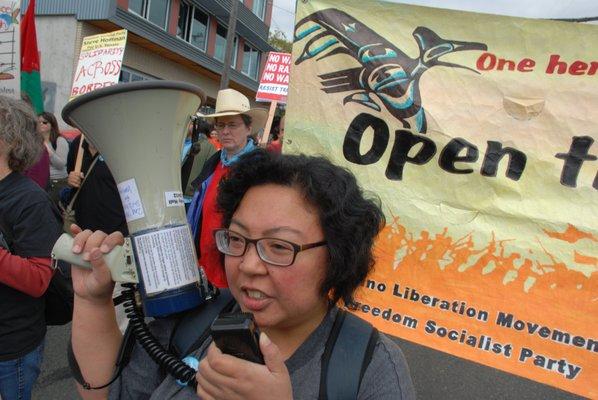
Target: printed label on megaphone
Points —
{"points": [[174, 199], [166, 259]]}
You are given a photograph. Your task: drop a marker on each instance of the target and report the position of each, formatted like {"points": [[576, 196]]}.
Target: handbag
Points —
{"points": [[68, 214], [59, 299]]}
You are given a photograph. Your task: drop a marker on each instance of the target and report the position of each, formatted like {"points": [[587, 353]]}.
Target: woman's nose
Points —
{"points": [[252, 263]]}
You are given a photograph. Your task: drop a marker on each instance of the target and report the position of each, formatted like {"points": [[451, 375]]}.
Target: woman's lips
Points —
{"points": [[255, 300]]}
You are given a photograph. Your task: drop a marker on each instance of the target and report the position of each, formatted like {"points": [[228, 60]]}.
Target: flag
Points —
{"points": [[30, 78]]}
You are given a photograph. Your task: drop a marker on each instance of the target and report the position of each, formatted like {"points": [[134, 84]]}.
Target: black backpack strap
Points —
{"points": [[196, 322], [186, 170], [208, 169], [347, 354]]}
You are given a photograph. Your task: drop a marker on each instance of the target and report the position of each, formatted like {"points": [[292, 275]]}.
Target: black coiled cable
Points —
{"points": [[150, 344]]}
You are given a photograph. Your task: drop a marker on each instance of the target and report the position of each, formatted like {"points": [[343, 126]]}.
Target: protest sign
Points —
{"points": [[275, 78], [10, 44], [477, 133], [100, 62]]}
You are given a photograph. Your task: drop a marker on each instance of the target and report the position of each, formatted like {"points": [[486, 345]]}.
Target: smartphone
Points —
{"points": [[236, 334]]}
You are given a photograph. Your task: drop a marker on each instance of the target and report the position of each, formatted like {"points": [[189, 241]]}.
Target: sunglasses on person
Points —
{"points": [[274, 251]]}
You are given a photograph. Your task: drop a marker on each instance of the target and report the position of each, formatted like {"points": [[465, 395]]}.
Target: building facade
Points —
{"points": [[181, 40]]}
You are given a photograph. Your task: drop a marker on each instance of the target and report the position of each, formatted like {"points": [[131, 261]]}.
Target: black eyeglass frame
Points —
{"points": [[296, 247]]}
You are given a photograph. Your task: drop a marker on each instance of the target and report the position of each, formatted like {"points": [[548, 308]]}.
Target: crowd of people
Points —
{"points": [[288, 262]]}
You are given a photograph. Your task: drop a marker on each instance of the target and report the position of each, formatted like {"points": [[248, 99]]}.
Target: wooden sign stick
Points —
{"points": [[266, 134], [79, 159]]}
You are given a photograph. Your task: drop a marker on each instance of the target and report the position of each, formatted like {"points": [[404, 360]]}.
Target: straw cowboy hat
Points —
{"points": [[232, 102]]}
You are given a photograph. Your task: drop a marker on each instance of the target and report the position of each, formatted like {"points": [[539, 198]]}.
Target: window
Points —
{"points": [[158, 12], [199, 29], [131, 75], [258, 8], [137, 6], [182, 28], [193, 26], [251, 61], [155, 11], [220, 48]]}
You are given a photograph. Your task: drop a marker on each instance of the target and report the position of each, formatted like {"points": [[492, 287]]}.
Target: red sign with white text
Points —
{"points": [[274, 84]]}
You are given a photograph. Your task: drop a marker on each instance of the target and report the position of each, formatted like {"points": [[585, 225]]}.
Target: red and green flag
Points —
{"points": [[31, 82]]}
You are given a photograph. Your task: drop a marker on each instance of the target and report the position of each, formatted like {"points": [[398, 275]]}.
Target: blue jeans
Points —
{"points": [[18, 376]]}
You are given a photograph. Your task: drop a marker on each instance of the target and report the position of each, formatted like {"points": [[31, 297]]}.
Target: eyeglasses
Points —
{"points": [[44, 122], [231, 126], [271, 250]]}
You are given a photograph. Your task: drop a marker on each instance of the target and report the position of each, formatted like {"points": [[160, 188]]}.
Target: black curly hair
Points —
{"points": [[350, 221]]}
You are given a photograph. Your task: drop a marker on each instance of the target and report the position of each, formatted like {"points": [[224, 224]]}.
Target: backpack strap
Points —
{"points": [[193, 151], [185, 339], [208, 169], [347, 354]]}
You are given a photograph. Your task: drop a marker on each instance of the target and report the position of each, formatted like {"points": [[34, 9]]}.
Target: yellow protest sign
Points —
{"points": [[100, 62], [477, 133]]}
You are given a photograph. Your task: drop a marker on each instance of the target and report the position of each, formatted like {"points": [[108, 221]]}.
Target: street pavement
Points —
{"points": [[436, 376], [54, 382]]}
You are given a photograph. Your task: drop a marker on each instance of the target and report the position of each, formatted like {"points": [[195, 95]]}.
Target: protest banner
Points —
{"points": [[477, 133], [274, 86], [274, 83], [10, 45], [100, 62]]}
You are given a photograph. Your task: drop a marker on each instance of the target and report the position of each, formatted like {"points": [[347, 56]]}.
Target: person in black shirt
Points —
{"points": [[98, 206], [29, 227]]}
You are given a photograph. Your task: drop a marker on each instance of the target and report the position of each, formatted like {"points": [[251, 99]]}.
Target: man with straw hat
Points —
{"points": [[237, 125]]}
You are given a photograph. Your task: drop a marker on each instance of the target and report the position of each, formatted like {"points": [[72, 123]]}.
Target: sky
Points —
{"points": [[283, 11]]}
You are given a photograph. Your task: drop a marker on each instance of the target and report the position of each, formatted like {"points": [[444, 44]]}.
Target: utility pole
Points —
{"points": [[230, 41]]}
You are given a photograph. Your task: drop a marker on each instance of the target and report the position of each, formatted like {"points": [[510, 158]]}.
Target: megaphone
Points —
{"points": [[139, 129]]}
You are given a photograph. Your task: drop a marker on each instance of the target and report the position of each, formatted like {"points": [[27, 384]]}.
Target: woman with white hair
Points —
{"points": [[29, 227]]}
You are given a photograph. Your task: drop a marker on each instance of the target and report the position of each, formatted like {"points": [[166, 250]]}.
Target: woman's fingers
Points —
{"points": [[102, 278], [112, 240], [75, 229], [95, 284], [93, 241], [80, 240]]}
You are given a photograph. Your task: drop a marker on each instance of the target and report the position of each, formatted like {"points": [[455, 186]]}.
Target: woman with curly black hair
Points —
{"points": [[296, 237]]}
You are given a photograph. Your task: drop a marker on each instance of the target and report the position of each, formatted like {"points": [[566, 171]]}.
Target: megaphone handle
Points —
{"points": [[116, 259], [62, 251]]}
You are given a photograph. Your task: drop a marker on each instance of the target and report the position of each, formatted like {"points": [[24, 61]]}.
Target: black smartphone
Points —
{"points": [[236, 334]]}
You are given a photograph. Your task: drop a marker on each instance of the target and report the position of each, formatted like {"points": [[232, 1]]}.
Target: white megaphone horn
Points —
{"points": [[139, 129]]}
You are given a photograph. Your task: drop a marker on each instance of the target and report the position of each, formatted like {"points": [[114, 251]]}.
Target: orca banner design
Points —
{"points": [[477, 133]]}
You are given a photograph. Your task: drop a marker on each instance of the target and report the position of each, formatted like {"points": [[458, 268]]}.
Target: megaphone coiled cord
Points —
{"points": [[150, 344]]}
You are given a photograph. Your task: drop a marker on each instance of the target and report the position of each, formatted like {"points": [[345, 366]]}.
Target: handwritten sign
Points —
{"points": [[274, 84], [100, 62], [129, 196], [9, 49]]}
